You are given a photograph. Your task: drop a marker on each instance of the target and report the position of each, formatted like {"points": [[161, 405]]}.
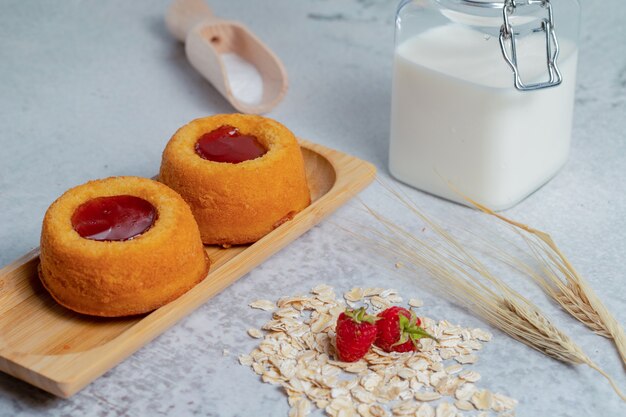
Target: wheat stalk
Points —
{"points": [[468, 282], [560, 280]]}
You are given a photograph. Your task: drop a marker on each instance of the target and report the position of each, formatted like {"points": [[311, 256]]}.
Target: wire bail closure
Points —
{"points": [[509, 47]]}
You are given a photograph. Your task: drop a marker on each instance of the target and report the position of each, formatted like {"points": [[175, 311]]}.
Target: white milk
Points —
{"points": [[457, 118]]}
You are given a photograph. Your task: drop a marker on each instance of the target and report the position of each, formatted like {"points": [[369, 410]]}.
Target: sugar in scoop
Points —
{"points": [[245, 80], [238, 64]]}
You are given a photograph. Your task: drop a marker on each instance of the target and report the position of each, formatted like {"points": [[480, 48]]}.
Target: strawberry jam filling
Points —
{"points": [[119, 217], [227, 144]]}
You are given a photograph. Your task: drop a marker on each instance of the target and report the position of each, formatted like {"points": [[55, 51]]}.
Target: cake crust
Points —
{"points": [[237, 203], [121, 278]]}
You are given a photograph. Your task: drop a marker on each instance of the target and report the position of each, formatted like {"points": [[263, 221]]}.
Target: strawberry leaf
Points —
{"points": [[360, 315]]}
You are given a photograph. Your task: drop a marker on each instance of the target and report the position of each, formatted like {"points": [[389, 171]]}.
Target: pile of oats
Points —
{"points": [[297, 352]]}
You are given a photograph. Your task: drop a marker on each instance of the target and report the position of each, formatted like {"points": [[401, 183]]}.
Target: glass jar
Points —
{"points": [[483, 96]]}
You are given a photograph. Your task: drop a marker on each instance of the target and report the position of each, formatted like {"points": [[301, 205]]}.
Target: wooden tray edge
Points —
{"points": [[55, 374]]}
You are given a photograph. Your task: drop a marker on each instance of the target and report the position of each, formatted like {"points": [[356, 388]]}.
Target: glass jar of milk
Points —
{"points": [[483, 96]]}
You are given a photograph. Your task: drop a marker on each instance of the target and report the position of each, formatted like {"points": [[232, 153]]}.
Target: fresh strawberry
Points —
{"points": [[356, 331], [399, 330]]}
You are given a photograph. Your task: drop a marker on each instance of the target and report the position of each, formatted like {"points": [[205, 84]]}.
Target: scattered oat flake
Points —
{"points": [[258, 368], [453, 369], [419, 364], [380, 302], [388, 292], [301, 408], [470, 376], [465, 391], [356, 367], [465, 359], [355, 294], [436, 378], [371, 381], [503, 403], [338, 392], [482, 335], [369, 292], [416, 302], [427, 396], [265, 305], [377, 411], [340, 403], [364, 396], [446, 410], [297, 352], [406, 373], [447, 353], [482, 400], [394, 298], [464, 405], [425, 410], [447, 386], [404, 408], [256, 333], [364, 410], [322, 289], [245, 360], [321, 323]]}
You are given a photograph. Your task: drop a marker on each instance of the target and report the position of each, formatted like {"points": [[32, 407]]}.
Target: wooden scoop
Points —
{"points": [[207, 40]]}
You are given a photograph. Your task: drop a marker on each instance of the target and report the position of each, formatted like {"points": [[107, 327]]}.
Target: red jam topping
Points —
{"points": [[119, 217], [226, 144]]}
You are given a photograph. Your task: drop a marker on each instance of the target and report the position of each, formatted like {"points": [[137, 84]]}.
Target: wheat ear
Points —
{"points": [[560, 280], [467, 281]]}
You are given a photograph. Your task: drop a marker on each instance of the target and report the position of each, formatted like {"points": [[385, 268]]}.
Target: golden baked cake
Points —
{"points": [[242, 176], [120, 246]]}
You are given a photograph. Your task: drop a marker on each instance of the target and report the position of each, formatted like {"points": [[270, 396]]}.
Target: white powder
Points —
{"points": [[244, 78]]}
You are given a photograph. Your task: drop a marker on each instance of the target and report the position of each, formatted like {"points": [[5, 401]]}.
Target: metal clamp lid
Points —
{"points": [[509, 47]]}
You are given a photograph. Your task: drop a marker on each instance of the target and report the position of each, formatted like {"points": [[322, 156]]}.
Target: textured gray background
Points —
{"points": [[90, 89]]}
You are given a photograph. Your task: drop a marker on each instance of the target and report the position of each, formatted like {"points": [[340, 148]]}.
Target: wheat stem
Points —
{"points": [[608, 378], [466, 280], [561, 281]]}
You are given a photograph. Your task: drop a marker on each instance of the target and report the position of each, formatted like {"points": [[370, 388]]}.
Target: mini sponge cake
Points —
{"points": [[237, 193], [120, 246]]}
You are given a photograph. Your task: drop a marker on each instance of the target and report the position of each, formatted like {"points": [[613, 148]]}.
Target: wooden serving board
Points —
{"points": [[61, 351]]}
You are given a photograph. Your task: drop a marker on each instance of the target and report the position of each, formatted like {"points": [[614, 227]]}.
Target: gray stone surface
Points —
{"points": [[91, 89]]}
